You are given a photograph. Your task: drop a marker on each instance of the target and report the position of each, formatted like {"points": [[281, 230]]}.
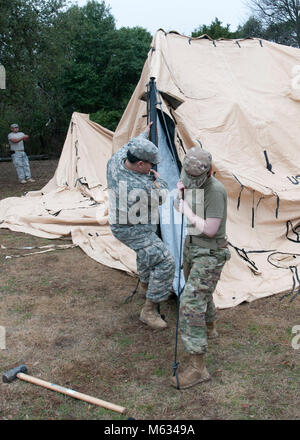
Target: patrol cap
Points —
{"points": [[14, 126], [144, 149], [197, 161]]}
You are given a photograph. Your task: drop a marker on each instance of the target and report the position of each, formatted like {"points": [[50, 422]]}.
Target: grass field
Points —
{"points": [[65, 318]]}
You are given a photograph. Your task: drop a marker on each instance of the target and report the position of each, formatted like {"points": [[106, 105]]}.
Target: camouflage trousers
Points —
{"points": [[155, 264], [202, 270], [21, 163]]}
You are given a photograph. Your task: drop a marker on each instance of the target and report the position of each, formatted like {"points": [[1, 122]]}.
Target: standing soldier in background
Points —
{"points": [[205, 253], [19, 157], [130, 177]]}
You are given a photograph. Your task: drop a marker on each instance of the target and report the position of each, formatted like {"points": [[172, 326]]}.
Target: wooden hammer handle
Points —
{"points": [[71, 393]]}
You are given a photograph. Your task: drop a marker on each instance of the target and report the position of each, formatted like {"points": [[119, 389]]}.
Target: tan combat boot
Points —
{"points": [[195, 373], [150, 316], [211, 330]]}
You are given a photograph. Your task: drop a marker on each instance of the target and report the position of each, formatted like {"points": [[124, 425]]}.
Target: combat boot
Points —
{"points": [[211, 330], [150, 316], [195, 373]]}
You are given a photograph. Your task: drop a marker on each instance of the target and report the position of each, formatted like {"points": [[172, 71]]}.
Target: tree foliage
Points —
{"points": [[29, 52], [252, 28], [280, 19], [215, 30], [61, 58]]}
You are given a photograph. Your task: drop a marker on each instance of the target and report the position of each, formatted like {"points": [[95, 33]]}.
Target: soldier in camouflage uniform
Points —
{"points": [[205, 253], [135, 193]]}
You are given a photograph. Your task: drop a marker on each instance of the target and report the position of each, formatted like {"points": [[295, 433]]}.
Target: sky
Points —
{"points": [[183, 16]]}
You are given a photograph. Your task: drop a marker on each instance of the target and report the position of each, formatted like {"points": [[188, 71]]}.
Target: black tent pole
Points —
{"points": [[153, 111], [151, 108]]}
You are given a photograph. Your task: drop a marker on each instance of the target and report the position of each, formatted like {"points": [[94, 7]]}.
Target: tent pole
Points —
{"points": [[153, 111]]}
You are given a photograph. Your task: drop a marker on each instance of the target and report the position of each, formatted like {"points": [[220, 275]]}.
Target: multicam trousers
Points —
{"points": [[202, 270], [21, 163], [155, 264]]}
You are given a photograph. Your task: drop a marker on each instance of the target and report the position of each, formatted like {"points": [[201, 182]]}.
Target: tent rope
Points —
{"points": [[240, 194], [295, 276], [130, 297], [288, 225], [244, 255], [253, 210], [277, 207], [294, 271], [268, 164]]}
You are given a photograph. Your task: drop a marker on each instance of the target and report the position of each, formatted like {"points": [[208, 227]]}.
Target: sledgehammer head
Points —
{"points": [[11, 375]]}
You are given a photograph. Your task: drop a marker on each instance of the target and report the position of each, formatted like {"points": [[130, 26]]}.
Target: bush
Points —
{"points": [[107, 118]]}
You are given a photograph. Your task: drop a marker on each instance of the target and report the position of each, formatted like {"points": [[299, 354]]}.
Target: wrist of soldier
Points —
{"points": [[197, 222]]}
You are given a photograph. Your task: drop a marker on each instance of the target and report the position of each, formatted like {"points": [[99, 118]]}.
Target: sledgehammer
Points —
{"points": [[20, 373]]}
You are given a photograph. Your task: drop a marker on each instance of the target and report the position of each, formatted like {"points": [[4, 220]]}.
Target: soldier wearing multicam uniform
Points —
{"points": [[134, 222], [205, 253]]}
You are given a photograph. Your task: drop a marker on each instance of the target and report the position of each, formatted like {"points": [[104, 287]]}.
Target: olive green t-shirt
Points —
{"points": [[215, 205]]}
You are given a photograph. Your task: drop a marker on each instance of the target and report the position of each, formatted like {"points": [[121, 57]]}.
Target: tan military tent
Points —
{"points": [[241, 100]]}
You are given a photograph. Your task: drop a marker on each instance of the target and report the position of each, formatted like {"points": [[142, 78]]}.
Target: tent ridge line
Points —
{"points": [[207, 37]]}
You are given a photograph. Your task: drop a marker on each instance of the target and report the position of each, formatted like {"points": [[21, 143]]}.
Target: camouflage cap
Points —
{"points": [[144, 149], [197, 161]]}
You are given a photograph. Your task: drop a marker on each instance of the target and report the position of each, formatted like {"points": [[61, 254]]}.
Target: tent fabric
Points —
{"points": [[170, 219], [241, 101]]}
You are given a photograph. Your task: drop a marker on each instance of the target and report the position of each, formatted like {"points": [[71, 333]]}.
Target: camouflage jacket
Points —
{"points": [[134, 198]]}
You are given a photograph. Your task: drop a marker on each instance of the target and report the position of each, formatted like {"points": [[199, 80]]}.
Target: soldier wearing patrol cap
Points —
{"points": [[135, 193], [205, 253]]}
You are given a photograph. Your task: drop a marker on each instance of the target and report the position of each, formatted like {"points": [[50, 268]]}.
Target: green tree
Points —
{"points": [[27, 52], [252, 28], [128, 54], [215, 30], [60, 59], [89, 34]]}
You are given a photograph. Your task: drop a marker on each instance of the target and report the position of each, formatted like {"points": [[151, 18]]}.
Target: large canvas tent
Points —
{"points": [[240, 99]]}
